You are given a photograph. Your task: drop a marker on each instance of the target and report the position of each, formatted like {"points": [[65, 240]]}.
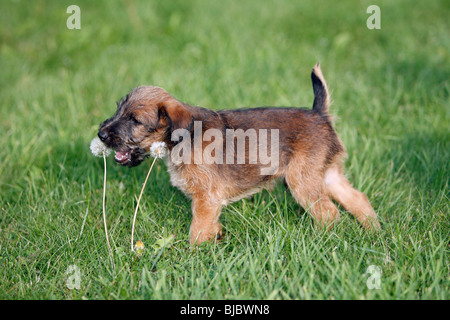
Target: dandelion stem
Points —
{"points": [[104, 209], [137, 205]]}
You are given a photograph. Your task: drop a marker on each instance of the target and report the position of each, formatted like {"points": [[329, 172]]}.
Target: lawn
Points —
{"points": [[390, 92]]}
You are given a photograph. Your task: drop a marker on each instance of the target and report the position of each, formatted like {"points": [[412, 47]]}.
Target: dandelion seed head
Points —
{"points": [[158, 149], [98, 148]]}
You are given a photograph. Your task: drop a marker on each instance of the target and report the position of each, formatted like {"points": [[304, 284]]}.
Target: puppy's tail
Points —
{"points": [[321, 96]]}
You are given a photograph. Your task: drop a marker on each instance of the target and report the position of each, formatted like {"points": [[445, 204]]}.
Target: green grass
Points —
{"points": [[390, 89]]}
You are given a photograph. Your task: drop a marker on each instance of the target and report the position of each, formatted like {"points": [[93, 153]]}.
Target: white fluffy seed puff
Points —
{"points": [[158, 149], [98, 148]]}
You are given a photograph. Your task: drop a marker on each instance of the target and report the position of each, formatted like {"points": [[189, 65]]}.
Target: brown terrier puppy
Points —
{"points": [[303, 144]]}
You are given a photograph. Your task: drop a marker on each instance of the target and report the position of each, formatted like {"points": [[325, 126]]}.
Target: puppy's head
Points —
{"points": [[147, 114]]}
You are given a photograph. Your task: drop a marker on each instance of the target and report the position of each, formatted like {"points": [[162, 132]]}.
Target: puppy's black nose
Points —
{"points": [[103, 135]]}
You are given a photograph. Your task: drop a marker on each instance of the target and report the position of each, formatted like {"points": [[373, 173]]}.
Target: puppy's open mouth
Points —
{"points": [[130, 157], [123, 157]]}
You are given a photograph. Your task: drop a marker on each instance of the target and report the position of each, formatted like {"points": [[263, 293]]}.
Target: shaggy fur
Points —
{"points": [[310, 155]]}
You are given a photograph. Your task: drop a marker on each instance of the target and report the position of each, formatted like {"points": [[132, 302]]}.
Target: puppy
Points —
{"points": [[218, 157]]}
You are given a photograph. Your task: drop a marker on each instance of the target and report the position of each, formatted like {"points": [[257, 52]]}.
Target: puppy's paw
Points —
{"points": [[212, 233]]}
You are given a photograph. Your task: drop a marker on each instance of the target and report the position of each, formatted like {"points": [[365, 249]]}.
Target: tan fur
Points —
{"points": [[310, 158]]}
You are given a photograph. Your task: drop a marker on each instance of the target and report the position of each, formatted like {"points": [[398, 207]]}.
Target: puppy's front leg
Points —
{"points": [[205, 222]]}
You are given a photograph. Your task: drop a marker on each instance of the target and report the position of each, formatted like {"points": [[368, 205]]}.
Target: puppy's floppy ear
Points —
{"points": [[177, 115]]}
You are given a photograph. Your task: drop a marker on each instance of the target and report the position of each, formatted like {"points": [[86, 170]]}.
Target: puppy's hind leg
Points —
{"points": [[354, 201], [306, 187]]}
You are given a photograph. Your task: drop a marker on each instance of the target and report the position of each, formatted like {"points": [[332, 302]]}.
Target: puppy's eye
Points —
{"points": [[136, 121]]}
